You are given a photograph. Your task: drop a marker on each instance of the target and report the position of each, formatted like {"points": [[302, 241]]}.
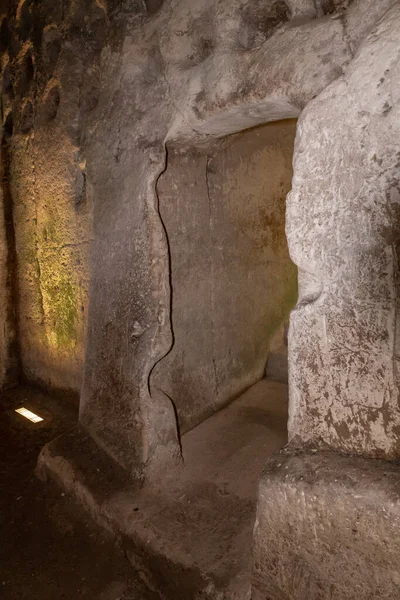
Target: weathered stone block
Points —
{"points": [[327, 527], [343, 224]]}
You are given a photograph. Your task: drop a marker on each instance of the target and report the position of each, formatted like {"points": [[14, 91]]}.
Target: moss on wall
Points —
{"points": [[53, 242], [61, 296]]}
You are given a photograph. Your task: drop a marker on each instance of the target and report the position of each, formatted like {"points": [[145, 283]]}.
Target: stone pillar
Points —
{"points": [[129, 315], [128, 327], [343, 232], [321, 529]]}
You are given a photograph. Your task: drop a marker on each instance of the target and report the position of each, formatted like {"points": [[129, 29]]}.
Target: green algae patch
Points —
{"points": [[61, 299]]}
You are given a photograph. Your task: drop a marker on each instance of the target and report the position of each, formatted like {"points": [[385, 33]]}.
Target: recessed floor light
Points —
{"points": [[28, 415]]}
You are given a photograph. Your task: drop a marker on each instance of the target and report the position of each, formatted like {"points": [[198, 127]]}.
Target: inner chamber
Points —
{"points": [[233, 283]]}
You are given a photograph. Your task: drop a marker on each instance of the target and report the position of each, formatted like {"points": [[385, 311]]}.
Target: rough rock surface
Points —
{"points": [[46, 61], [179, 76], [101, 96], [97, 92], [9, 339], [343, 231], [327, 527]]}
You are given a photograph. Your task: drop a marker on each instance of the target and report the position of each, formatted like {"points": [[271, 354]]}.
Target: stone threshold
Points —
{"points": [[191, 537], [333, 522]]}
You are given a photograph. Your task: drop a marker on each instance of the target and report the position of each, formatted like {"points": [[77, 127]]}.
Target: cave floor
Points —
{"points": [[205, 520], [191, 535], [48, 551]]}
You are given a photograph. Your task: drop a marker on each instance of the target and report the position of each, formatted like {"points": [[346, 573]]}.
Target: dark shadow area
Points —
{"points": [[12, 368], [49, 550]]}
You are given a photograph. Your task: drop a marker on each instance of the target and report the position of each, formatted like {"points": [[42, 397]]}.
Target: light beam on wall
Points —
{"points": [[28, 414]]}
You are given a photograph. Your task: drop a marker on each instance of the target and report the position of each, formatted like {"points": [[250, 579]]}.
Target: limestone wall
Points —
{"points": [[53, 236], [100, 93], [232, 280], [343, 231], [48, 58]]}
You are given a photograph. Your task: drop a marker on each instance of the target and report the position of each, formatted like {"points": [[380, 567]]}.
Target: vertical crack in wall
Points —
{"points": [[212, 273], [164, 235], [165, 415], [395, 222], [12, 367]]}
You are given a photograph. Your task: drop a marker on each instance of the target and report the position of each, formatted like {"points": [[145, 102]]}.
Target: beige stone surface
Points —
{"points": [[182, 76], [99, 93], [122, 115], [343, 231]]}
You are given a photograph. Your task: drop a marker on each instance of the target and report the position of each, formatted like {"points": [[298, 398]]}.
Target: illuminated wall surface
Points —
{"points": [[46, 85], [53, 233]]}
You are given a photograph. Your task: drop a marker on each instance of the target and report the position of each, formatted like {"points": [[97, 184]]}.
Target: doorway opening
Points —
{"points": [[233, 286], [233, 283]]}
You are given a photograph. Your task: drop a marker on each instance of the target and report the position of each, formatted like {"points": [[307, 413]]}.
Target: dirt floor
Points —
{"points": [[46, 552]]}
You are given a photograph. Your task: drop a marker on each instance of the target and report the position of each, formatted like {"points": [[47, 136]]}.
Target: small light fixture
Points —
{"points": [[28, 415]]}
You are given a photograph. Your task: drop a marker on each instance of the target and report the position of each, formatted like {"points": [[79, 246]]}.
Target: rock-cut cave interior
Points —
{"points": [[199, 291]]}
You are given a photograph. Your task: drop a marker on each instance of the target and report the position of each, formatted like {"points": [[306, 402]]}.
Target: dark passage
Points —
{"points": [[46, 552], [12, 366]]}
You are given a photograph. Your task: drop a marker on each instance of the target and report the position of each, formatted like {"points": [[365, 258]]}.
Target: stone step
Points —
{"points": [[191, 535]]}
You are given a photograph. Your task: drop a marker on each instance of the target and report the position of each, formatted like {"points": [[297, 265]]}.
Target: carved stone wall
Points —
{"points": [[48, 59], [97, 94]]}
